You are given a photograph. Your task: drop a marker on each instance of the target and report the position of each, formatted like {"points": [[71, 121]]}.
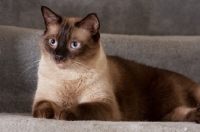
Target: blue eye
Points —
{"points": [[75, 45], [53, 42]]}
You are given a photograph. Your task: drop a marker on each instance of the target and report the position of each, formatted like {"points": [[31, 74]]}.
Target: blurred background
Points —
{"points": [[136, 17]]}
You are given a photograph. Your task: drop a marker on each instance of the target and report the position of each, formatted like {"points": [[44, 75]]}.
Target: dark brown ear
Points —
{"points": [[90, 22], [49, 16]]}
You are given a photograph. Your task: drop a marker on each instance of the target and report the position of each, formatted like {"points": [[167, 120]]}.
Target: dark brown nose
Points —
{"points": [[59, 57]]}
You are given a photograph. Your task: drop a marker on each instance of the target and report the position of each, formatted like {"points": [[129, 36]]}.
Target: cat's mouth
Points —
{"points": [[61, 63]]}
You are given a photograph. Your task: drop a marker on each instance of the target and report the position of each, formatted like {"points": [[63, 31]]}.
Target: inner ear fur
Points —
{"points": [[90, 22], [50, 17]]}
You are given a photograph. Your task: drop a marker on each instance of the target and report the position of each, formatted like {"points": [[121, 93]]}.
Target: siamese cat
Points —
{"points": [[78, 81]]}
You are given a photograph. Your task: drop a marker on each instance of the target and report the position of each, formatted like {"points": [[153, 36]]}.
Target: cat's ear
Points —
{"points": [[90, 22], [49, 16]]}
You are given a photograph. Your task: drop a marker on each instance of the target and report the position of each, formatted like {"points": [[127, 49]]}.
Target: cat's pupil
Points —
{"points": [[52, 41], [75, 44]]}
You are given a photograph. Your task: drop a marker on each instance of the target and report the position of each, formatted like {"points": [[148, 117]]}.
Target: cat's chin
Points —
{"points": [[61, 65]]}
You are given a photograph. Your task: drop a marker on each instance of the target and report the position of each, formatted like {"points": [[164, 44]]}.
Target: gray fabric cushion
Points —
{"points": [[140, 17], [24, 123], [19, 51], [18, 48]]}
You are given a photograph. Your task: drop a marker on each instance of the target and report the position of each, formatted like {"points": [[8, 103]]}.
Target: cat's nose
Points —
{"points": [[58, 57]]}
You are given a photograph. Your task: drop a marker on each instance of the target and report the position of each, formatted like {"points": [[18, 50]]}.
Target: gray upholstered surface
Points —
{"points": [[19, 52], [25, 123], [140, 17]]}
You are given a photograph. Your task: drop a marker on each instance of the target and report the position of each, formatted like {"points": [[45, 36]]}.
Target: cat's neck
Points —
{"points": [[101, 61]]}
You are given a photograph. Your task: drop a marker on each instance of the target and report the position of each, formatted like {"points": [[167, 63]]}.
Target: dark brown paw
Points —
{"points": [[68, 115], [197, 119], [43, 110]]}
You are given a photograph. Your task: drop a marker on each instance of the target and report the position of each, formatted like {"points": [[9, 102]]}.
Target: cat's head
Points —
{"points": [[67, 39]]}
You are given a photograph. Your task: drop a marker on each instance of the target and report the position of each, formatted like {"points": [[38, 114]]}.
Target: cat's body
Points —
{"points": [[77, 81], [147, 93]]}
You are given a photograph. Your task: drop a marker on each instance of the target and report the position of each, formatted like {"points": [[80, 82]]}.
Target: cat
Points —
{"points": [[78, 81]]}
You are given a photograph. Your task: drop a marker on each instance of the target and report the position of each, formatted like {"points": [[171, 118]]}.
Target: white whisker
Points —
{"points": [[80, 64], [30, 74], [30, 63], [31, 66]]}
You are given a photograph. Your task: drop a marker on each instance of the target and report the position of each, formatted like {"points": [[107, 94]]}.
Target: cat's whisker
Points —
{"points": [[30, 63], [31, 66], [29, 58], [78, 67], [80, 64], [30, 74]]}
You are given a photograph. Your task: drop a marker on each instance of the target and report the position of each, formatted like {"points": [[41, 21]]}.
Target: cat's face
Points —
{"points": [[69, 40]]}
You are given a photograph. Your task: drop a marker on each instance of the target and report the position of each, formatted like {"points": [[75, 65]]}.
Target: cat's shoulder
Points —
{"points": [[116, 60], [132, 65]]}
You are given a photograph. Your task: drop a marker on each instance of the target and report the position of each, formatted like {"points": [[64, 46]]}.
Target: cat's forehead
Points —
{"points": [[68, 29], [71, 20], [66, 25]]}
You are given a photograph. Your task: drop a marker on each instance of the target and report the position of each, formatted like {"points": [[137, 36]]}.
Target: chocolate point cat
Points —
{"points": [[77, 81]]}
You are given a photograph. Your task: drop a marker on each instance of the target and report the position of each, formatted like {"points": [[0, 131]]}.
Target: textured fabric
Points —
{"points": [[19, 48], [139, 17], [19, 55], [25, 123]]}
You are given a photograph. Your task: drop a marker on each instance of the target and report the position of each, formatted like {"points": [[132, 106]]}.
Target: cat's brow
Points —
{"points": [[64, 35]]}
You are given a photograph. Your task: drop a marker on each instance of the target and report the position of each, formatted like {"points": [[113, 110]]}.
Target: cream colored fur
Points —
{"points": [[74, 85]]}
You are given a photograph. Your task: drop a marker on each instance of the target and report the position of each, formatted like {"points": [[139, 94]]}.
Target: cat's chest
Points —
{"points": [[67, 90], [65, 87]]}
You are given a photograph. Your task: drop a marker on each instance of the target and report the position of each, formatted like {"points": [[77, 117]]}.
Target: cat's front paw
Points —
{"points": [[43, 110], [68, 114], [43, 113]]}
